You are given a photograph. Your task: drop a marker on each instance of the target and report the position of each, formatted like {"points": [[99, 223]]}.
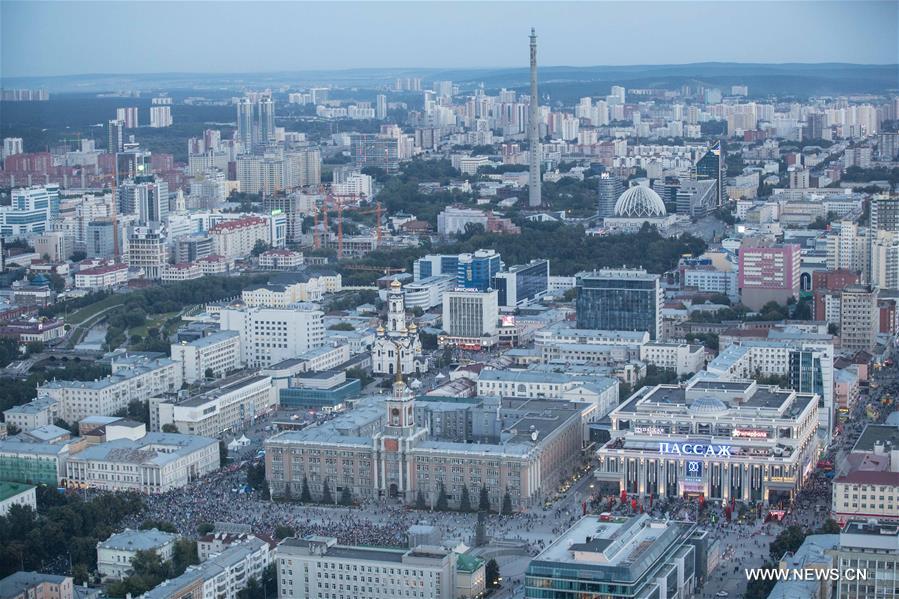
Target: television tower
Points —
{"points": [[534, 198]]}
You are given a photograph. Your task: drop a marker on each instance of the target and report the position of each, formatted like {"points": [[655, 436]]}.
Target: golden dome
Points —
{"points": [[396, 284], [380, 330], [412, 327]]}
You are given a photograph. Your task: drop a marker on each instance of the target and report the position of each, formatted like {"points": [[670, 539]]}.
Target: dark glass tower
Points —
{"points": [[619, 300], [713, 165]]}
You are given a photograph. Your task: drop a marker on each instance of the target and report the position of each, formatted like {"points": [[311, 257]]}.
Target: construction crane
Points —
{"points": [[335, 201]]}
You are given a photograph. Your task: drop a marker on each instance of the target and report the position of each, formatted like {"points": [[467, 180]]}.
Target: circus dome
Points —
{"points": [[640, 201]]}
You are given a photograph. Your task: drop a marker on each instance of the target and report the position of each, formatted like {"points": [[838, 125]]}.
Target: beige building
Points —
{"points": [[868, 484], [398, 448], [147, 250], [36, 585], [218, 352], [236, 238], [56, 246]]}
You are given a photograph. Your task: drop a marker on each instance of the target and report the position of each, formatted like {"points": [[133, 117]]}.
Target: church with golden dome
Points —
{"points": [[397, 339]]}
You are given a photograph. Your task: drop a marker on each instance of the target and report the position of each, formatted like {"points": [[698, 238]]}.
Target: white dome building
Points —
{"points": [[635, 207], [640, 201]]}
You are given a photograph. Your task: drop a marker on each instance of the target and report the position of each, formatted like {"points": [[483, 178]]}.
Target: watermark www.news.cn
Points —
{"points": [[826, 574]]}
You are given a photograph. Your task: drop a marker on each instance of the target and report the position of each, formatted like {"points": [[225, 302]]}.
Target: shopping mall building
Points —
{"points": [[721, 440]]}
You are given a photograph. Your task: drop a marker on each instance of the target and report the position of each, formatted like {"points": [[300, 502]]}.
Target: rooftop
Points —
{"points": [[8, 490], [138, 540], [155, 449]]}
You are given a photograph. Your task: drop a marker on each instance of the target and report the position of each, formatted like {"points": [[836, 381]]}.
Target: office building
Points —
{"points": [[696, 198], [476, 271], [619, 557], [768, 273], [114, 555], [713, 165], [393, 448], [470, 318], [318, 566], [435, 264], [218, 352], [522, 284], [147, 250], [231, 405], [132, 162], [868, 559], [884, 217], [151, 464], [620, 300], [375, 151], [269, 335], [859, 318], [610, 189], [722, 440], [29, 211], [101, 238]]}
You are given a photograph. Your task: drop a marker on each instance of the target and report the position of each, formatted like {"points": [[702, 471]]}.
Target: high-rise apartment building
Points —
{"points": [[146, 197], [128, 115], [147, 250], [115, 136], [375, 151], [255, 123], [381, 107], [610, 188], [11, 147], [160, 116], [768, 273], [859, 318]]}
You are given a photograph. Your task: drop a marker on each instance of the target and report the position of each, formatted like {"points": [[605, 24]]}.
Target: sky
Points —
{"points": [[46, 38]]}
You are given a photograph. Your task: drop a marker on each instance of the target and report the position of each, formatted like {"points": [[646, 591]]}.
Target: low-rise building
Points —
{"points": [[16, 494], [681, 358], [221, 576], [634, 557], [34, 330], [868, 483], [233, 404], [280, 259], [315, 565], [37, 412], [183, 271], [36, 585], [102, 277], [114, 555], [155, 463], [868, 550], [32, 462]]}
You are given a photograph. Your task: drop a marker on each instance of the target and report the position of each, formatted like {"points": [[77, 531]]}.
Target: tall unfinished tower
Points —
{"points": [[534, 198]]}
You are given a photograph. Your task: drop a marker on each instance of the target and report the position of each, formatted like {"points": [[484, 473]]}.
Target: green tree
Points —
{"points": [[442, 502], [168, 427], [305, 494], [158, 525], [326, 493], [223, 452], [420, 502], [184, 554], [205, 528], [259, 248], [465, 500], [789, 540], [830, 527], [491, 573], [282, 531], [346, 498], [484, 500], [209, 374], [760, 587], [507, 504]]}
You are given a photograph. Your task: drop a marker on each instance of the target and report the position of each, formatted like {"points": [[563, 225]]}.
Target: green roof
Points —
{"points": [[468, 563], [8, 490]]}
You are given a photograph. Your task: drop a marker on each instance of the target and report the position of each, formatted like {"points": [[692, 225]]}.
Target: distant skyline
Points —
{"points": [[41, 39]]}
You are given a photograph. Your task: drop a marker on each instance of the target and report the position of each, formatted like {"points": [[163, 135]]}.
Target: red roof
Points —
{"points": [[102, 270], [238, 223]]}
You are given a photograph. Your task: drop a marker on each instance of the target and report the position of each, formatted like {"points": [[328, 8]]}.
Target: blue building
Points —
{"points": [[522, 284], [321, 391], [476, 271], [434, 265], [620, 300]]}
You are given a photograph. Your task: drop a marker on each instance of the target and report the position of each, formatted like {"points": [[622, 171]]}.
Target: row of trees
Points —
{"points": [[63, 527], [465, 503]]}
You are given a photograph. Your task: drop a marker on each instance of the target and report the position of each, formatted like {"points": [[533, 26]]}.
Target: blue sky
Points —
{"points": [[41, 38]]}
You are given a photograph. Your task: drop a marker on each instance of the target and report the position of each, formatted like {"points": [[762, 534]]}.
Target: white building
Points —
{"points": [[353, 185], [236, 238], [428, 293], [38, 412], [682, 358], [312, 289], [601, 392], [160, 116], [233, 405], [16, 494], [317, 565], [470, 317], [154, 463], [114, 555], [453, 219], [29, 211], [218, 352], [129, 381], [270, 335], [280, 258], [398, 344], [147, 250], [222, 576], [106, 276], [183, 271]]}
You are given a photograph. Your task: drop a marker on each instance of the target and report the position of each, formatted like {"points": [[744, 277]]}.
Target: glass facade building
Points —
{"points": [[523, 283], [619, 300], [476, 271]]}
